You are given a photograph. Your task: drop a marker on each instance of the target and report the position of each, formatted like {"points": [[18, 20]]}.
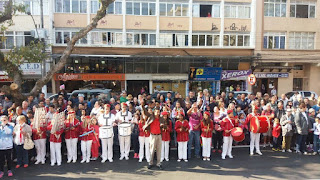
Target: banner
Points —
{"points": [[205, 74], [271, 75], [229, 74], [88, 77]]}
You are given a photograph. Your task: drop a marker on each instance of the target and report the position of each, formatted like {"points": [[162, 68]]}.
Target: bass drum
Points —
{"points": [[237, 134], [259, 124]]}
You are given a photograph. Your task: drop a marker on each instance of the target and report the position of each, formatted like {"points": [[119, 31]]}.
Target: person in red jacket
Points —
{"points": [[95, 142], [39, 138], [71, 136], [182, 128], [144, 138], [55, 144], [227, 124], [166, 128], [275, 134], [87, 135], [206, 135]]}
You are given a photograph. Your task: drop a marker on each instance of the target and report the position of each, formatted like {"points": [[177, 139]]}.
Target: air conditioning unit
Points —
{"points": [[41, 32]]}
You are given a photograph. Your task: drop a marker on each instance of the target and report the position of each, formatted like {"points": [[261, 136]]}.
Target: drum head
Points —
{"points": [[254, 125], [237, 131]]}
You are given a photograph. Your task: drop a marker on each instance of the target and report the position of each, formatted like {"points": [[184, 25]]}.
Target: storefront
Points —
{"points": [[74, 81], [266, 81], [234, 80]]}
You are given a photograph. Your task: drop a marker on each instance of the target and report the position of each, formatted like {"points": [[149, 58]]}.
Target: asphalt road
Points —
{"points": [[272, 165]]}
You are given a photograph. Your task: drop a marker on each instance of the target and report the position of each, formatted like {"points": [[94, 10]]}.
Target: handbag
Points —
{"points": [[28, 143]]}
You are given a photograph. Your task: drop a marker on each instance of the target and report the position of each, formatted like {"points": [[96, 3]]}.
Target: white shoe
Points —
{"points": [[167, 159], [69, 161], [74, 161], [251, 154], [204, 159], [121, 158], [59, 164], [208, 159], [223, 157], [230, 156], [283, 150], [148, 161], [83, 160], [179, 160], [127, 158], [111, 160], [305, 153], [103, 160], [37, 162], [52, 164], [140, 160], [186, 160], [289, 150], [259, 153], [43, 162], [88, 160]]}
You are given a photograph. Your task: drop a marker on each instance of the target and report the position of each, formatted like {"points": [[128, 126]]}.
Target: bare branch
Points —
{"points": [[70, 46]]}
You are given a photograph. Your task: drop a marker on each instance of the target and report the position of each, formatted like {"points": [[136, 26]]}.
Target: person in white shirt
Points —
{"points": [[316, 136], [96, 110], [273, 91], [124, 116], [107, 119]]}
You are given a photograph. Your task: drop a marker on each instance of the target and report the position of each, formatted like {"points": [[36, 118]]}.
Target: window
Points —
{"points": [[206, 10], [239, 40], [275, 8], [79, 6], [274, 40], [115, 8], [169, 9], [205, 40], [171, 40], [138, 8], [301, 40], [305, 9], [237, 11], [63, 37], [33, 6], [297, 84], [95, 6], [16, 39], [141, 39], [66, 6]]}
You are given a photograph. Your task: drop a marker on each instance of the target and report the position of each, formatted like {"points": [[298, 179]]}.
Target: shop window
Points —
{"points": [[297, 84]]}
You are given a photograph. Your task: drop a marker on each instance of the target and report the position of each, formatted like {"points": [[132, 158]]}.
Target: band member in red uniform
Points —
{"points": [[55, 144], [166, 128], [182, 128], [154, 120], [227, 124], [144, 138], [95, 142], [206, 135], [87, 136], [39, 137], [254, 137], [71, 135]]}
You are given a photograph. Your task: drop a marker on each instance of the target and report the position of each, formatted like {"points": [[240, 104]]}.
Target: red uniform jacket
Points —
{"points": [[71, 133], [205, 132], [227, 125], [182, 136], [41, 135], [143, 133], [56, 138], [248, 119], [166, 132], [276, 131], [96, 135], [83, 130]]}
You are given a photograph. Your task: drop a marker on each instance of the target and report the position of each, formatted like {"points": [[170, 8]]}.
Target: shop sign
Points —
{"points": [[88, 77], [271, 75], [229, 74], [31, 68], [5, 78], [252, 79], [205, 74]]}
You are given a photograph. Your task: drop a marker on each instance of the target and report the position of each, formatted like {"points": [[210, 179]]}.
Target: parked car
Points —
{"points": [[92, 92], [55, 96], [236, 93], [304, 94], [164, 93]]}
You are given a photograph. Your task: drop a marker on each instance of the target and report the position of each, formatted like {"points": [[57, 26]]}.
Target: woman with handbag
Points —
{"points": [[22, 132], [6, 145]]}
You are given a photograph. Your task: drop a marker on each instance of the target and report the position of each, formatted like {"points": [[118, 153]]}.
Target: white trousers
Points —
{"points": [[206, 148], [40, 145], [182, 150], [107, 148], [165, 150], [86, 149], [254, 142], [72, 148], [144, 142], [124, 145], [227, 146], [55, 153]]}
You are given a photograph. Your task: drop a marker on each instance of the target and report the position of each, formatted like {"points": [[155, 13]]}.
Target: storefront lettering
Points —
{"points": [[233, 27], [234, 74], [272, 75], [68, 77]]}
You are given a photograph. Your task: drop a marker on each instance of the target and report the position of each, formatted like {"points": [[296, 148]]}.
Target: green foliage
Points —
{"points": [[32, 53]]}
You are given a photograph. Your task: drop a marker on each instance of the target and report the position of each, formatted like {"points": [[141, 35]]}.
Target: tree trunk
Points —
{"points": [[70, 46]]}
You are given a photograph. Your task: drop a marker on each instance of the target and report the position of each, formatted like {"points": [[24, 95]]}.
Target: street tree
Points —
{"points": [[33, 53]]}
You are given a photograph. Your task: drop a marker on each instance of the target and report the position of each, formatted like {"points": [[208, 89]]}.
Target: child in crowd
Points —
{"points": [[316, 136], [276, 134], [95, 142], [182, 129], [144, 139]]}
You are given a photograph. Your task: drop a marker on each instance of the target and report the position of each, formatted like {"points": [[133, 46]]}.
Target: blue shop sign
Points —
{"points": [[271, 75], [205, 74]]}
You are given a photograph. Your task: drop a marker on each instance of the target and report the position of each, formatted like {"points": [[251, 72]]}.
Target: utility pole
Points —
{"points": [[43, 63]]}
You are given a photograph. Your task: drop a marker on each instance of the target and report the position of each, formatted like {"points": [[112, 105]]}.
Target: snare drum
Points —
{"points": [[105, 132], [124, 129]]}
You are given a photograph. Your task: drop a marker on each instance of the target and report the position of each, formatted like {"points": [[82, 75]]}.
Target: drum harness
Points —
{"points": [[107, 118]]}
